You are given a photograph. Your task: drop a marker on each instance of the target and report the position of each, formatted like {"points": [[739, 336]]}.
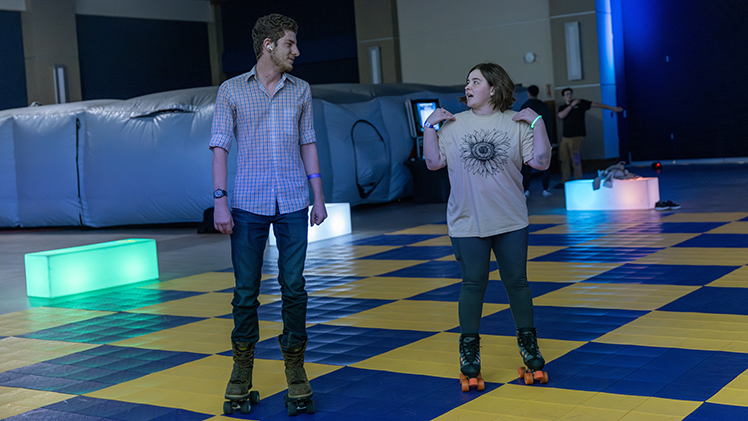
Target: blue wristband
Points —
{"points": [[315, 175], [532, 126]]}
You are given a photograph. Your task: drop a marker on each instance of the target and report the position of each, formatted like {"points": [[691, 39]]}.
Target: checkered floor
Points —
{"points": [[641, 316]]}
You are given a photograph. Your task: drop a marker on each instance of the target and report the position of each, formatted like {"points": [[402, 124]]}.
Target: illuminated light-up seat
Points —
{"points": [[75, 270], [632, 194]]}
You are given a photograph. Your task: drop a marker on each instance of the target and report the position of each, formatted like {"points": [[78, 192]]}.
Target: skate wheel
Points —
{"points": [[473, 382], [481, 385], [528, 378], [292, 410], [464, 383], [227, 408], [310, 407], [285, 399], [254, 397], [544, 378], [521, 372], [245, 407]]}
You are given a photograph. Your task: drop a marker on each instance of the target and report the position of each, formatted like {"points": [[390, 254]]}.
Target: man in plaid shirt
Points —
{"points": [[269, 113]]}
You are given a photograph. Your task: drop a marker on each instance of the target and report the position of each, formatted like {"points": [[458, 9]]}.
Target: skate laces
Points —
{"points": [[469, 351], [528, 344], [244, 358]]}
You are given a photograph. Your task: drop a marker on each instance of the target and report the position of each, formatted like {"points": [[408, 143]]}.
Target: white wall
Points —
{"points": [[440, 40]]}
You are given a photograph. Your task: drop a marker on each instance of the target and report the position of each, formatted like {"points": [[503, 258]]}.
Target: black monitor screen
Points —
{"points": [[421, 109]]}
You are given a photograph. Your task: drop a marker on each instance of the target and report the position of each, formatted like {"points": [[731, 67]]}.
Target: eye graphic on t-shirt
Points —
{"points": [[484, 152]]}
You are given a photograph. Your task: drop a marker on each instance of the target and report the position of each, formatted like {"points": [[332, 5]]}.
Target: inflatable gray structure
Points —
{"points": [[146, 160]]}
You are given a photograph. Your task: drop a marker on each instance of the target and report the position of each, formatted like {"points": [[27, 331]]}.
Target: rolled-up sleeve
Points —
{"points": [[224, 119], [306, 121]]}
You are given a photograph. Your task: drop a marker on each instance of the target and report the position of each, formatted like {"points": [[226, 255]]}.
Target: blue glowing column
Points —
{"points": [[74, 270]]}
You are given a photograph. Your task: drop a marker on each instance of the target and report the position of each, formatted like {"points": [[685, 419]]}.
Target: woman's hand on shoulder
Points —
{"points": [[526, 115], [439, 115]]}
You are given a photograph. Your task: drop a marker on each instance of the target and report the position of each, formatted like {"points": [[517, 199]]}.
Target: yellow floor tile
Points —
{"points": [[702, 331], [666, 407], [429, 229], [738, 227], [385, 288], [697, 256], [618, 296], [204, 282], [362, 267], [199, 385], [210, 336], [21, 352], [39, 318], [705, 217], [438, 356], [735, 279], [433, 316], [566, 271], [15, 401]]}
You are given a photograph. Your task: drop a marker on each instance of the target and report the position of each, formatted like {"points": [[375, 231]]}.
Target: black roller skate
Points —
{"points": [[237, 391], [470, 375], [299, 396], [527, 340]]}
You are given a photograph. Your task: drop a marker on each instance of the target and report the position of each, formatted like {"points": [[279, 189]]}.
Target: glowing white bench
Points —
{"points": [[338, 223], [74, 270], [635, 193]]}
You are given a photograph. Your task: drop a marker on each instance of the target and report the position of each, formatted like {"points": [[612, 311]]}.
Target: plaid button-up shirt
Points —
{"points": [[269, 130]]}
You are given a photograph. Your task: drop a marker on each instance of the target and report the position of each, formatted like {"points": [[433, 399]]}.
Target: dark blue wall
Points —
{"points": [[326, 38], [685, 84], [122, 58], [12, 63]]}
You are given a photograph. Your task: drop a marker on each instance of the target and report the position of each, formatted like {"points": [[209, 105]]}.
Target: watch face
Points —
{"points": [[219, 194]]}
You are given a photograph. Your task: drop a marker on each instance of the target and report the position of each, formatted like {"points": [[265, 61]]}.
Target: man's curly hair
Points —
{"points": [[273, 26]]}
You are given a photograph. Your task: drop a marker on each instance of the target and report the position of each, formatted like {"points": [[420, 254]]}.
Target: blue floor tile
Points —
{"points": [[566, 323], [93, 369], [539, 227], [123, 300], [659, 372], [111, 328], [715, 412], [631, 273], [596, 254], [321, 309], [433, 269], [717, 240], [343, 345], [393, 240], [351, 393], [712, 300], [413, 253], [561, 239], [672, 228], [495, 292]]}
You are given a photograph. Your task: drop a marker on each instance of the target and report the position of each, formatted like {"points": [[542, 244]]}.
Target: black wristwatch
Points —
{"points": [[219, 193]]}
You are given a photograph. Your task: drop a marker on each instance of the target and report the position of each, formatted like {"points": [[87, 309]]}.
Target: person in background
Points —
{"points": [[542, 109], [572, 113]]}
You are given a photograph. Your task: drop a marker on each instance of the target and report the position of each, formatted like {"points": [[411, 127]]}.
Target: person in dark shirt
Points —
{"points": [[539, 107], [572, 114]]}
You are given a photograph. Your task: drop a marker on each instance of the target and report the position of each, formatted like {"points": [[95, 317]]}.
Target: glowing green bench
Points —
{"points": [[75, 270]]}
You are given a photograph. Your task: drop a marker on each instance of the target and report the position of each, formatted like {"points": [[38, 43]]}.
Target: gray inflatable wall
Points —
{"points": [[146, 160]]}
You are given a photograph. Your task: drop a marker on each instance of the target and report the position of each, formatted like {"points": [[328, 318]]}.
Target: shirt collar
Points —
{"points": [[253, 74]]}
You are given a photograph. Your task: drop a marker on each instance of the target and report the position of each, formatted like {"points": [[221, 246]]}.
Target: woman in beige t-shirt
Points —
{"points": [[484, 149]]}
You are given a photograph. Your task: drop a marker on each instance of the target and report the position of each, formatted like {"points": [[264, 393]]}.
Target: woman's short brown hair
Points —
{"points": [[503, 93], [273, 26]]}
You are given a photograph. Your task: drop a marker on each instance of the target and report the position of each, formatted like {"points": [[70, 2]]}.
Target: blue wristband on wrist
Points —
{"points": [[315, 175], [532, 126]]}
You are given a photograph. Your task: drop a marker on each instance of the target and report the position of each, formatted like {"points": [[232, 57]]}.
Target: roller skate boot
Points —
{"points": [[527, 341], [238, 393], [470, 375], [299, 396]]}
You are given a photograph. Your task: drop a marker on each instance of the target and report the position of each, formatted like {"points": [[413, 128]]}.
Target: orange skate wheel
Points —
{"points": [[481, 383], [528, 378], [544, 380], [464, 383], [473, 382], [521, 372]]}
